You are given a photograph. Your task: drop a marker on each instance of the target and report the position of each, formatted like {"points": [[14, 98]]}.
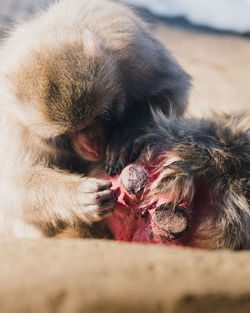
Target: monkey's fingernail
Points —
{"points": [[118, 169], [104, 186], [109, 171]]}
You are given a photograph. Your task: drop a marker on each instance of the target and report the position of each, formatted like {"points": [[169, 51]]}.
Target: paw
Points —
{"points": [[175, 178], [171, 220], [121, 152], [95, 199]]}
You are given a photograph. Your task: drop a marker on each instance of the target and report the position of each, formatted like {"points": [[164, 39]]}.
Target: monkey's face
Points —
{"points": [[65, 89], [90, 141]]}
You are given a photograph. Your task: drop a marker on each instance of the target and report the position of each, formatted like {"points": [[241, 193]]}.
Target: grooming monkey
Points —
{"points": [[76, 88]]}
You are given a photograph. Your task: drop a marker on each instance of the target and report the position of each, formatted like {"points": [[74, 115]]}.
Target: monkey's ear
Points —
{"points": [[90, 43], [9, 83]]}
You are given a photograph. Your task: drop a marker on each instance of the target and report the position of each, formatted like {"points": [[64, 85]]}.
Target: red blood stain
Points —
{"points": [[133, 222]]}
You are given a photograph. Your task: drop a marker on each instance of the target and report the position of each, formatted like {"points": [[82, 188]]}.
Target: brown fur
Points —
{"points": [[53, 78], [70, 77]]}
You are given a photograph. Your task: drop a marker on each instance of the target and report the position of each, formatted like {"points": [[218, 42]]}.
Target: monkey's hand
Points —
{"points": [[95, 200], [52, 196], [123, 150]]}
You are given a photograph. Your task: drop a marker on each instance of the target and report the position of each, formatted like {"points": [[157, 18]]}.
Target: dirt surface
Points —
{"points": [[99, 276], [219, 65]]}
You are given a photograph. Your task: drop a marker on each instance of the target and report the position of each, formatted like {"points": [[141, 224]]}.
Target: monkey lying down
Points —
{"points": [[189, 187]]}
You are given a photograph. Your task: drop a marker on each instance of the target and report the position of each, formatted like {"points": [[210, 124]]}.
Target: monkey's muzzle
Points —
{"points": [[89, 142]]}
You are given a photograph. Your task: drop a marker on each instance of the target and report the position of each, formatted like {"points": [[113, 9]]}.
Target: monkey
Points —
{"points": [[207, 164], [77, 82], [190, 185]]}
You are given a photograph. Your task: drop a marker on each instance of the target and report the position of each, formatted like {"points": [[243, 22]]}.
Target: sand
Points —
{"points": [[219, 65], [104, 277]]}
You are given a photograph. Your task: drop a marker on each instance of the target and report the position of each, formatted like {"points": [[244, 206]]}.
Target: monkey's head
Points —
{"points": [[69, 88]]}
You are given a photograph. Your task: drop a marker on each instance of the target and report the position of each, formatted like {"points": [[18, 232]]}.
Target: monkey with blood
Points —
{"points": [[134, 220], [190, 186]]}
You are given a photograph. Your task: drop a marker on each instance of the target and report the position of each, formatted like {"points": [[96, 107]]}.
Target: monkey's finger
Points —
{"points": [[94, 213], [103, 196], [97, 198], [123, 158], [104, 186], [111, 163], [107, 212], [117, 154], [139, 144], [91, 185], [107, 205]]}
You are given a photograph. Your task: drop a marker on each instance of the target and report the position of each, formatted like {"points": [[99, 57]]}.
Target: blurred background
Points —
{"points": [[210, 38], [225, 15]]}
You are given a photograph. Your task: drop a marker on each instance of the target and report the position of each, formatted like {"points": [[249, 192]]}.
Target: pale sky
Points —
{"points": [[221, 14]]}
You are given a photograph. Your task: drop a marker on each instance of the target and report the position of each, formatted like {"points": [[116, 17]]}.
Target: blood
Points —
{"points": [[131, 221]]}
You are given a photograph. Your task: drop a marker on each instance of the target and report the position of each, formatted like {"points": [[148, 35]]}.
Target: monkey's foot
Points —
{"points": [[133, 220], [123, 151]]}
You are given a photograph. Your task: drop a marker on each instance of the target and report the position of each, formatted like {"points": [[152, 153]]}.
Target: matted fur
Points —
{"points": [[214, 153]]}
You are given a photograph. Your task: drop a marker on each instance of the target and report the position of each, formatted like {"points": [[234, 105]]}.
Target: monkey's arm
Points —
{"points": [[154, 80], [134, 130], [49, 196]]}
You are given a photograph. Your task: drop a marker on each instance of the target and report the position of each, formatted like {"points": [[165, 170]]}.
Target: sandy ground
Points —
{"points": [[88, 276], [219, 65], [84, 276]]}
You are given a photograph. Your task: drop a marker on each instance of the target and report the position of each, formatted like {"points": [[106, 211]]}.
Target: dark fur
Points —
{"points": [[214, 154]]}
